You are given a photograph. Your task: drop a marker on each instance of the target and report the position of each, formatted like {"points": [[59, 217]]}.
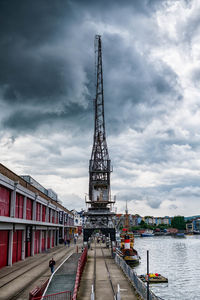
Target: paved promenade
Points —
{"points": [[64, 278], [17, 281], [103, 287]]}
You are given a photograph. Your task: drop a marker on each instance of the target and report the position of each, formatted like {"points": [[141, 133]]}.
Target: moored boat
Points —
{"points": [[196, 232], [147, 233], [129, 254], [180, 234], [153, 278], [137, 235]]}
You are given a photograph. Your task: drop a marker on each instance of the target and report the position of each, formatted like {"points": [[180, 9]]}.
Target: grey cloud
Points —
{"points": [[47, 86], [154, 202], [72, 201], [173, 206], [131, 80], [139, 195], [190, 26], [195, 76], [129, 196], [45, 63], [29, 119]]}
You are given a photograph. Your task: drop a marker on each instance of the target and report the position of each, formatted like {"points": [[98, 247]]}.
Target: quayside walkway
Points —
{"points": [[17, 281], [103, 273]]}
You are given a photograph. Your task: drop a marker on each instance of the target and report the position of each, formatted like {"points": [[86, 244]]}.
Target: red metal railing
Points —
{"points": [[80, 268], [67, 295], [38, 291]]}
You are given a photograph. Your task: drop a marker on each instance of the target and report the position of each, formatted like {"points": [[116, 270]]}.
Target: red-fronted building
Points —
{"points": [[31, 221]]}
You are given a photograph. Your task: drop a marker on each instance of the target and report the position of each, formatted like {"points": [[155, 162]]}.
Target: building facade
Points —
{"points": [[79, 220], [31, 220]]}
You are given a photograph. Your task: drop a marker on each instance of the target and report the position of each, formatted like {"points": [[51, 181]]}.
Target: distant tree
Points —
{"points": [[133, 228], [178, 222], [143, 224], [189, 221]]}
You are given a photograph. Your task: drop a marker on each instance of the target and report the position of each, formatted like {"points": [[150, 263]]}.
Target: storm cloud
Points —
{"points": [[151, 74]]}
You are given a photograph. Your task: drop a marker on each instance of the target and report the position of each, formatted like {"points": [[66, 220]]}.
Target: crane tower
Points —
{"points": [[99, 215]]}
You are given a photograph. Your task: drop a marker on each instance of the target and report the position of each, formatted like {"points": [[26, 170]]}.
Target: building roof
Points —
{"points": [[16, 178]]}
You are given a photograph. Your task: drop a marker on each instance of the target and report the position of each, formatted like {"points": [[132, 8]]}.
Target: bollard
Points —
{"points": [[76, 249]]}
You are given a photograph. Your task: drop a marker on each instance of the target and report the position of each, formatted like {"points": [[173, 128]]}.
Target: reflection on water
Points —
{"points": [[175, 258]]}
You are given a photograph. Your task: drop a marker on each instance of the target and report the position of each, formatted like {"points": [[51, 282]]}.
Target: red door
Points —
{"points": [[4, 248], [43, 213], [48, 240], [49, 214], [4, 202], [43, 241], [37, 211], [14, 252], [29, 209], [19, 206], [17, 246], [52, 238], [37, 239]]}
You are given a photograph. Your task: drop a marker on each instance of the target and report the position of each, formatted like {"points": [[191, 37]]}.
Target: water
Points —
{"points": [[178, 259]]}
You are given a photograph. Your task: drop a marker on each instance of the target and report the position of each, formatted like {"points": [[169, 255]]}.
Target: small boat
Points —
{"points": [[153, 278], [180, 234], [137, 235], [196, 232], [129, 254], [147, 233]]}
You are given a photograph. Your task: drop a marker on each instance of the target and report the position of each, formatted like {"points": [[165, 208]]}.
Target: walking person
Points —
{"points": [[52, 264]]}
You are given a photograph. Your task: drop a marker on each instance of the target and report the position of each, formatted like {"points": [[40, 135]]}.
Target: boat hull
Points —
{"points": [[147, 234], [132, 260]]}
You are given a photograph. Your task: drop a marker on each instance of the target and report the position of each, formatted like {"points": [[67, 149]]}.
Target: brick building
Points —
{"points": [[31, 218]]}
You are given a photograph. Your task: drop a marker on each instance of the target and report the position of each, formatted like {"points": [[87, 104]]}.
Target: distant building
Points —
{"points": [[135, 220], [149, 220], [78, 220], [139, 219], [162, 221], [196, 224], [189, 227]]}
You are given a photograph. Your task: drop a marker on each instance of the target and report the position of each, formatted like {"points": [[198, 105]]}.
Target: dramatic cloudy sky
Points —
{"points": [[151, 63]]}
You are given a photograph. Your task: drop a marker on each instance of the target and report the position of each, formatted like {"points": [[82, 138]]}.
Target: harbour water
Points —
{"points": [[178, 259]]}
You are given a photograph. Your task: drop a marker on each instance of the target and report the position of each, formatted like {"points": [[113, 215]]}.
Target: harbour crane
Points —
{"points": [[99, 215]]}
